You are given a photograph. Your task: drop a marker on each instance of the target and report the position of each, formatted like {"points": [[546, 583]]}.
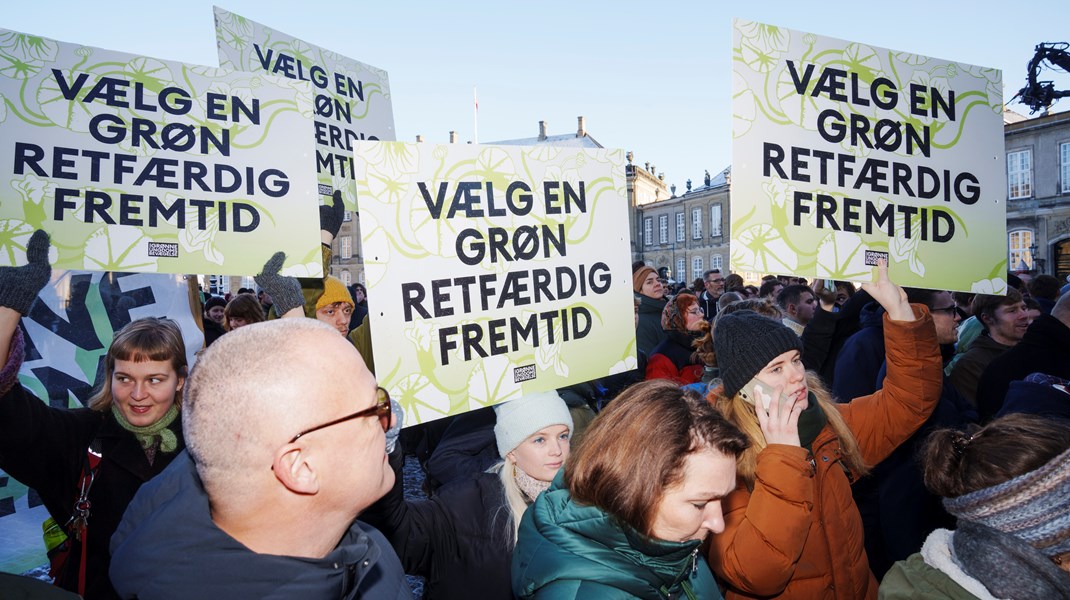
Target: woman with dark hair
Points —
{"points": [[792, 529], [634, 503], [674, 358], [86, 464], [1008, 485], [213, 317], [242, 310]]}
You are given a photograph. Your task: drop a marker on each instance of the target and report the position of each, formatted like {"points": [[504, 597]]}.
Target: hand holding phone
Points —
{"points": [[755, 390], [778, 416]]}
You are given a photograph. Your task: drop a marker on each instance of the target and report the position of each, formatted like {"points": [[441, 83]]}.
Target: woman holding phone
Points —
{"points": [[792, 529]]}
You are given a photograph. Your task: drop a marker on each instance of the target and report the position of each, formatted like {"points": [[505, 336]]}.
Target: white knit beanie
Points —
{"points": [[518, 419]]}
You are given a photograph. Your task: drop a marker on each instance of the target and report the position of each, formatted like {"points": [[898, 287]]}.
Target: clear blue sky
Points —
{"points": [[650, 77]]}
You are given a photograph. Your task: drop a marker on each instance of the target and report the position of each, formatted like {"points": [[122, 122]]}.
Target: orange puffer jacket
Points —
{"points": [[798, 534]]}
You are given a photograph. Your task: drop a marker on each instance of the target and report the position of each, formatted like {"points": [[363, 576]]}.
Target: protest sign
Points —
{"points": [[494, 271], [351, 100], [844, 152], [67, 335], [138, 164]]}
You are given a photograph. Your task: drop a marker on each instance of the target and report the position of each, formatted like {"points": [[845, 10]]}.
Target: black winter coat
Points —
{"points": [[45, 449], [458, 539]]}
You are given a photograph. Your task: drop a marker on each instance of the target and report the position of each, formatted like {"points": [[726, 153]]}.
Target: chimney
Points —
{"points": [[581, 130], [453, 137], [419, 138], [542, 130]]}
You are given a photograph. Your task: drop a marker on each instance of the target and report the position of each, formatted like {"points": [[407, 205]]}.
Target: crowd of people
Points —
{"points": [[790, 439]]}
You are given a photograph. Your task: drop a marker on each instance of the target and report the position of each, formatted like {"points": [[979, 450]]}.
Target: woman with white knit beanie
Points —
{"points": [[462, 538]]}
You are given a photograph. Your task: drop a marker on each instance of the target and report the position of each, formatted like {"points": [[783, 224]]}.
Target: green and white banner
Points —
{"points": [[351, 100], [843, 153], [496, 271], [138, 164]]}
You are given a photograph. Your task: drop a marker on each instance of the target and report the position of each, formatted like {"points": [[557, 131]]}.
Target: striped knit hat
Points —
{"points": [[1034, 507]]}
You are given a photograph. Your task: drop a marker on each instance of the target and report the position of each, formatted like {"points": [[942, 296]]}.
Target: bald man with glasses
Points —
{"points": [[284, 427]]}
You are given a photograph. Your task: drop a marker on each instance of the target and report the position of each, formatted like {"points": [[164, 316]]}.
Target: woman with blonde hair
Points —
{"points": [[86, 464], [792, 529], [462, 539]]}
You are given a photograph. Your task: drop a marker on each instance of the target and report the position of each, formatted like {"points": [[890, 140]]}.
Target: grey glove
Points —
{"points": [[331, 215], [19, 286], [285, 291]]}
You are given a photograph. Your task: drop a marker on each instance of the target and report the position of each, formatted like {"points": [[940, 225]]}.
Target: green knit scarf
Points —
{"points": [[811, 421], [149, 434]]}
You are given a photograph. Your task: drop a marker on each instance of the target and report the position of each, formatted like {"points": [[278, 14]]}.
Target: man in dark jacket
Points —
{"points": [[1045, 348], [714, 288], [278, 468], [1005, 321]]}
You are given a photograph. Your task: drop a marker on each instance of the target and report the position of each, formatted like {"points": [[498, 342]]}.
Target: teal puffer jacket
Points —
{"points": [[566, 550]]}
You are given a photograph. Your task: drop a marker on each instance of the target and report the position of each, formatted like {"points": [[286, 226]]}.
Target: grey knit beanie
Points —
{"points": [[745, 342]]}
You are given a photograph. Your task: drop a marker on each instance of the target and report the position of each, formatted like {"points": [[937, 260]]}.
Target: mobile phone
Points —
{"points": [[764, 392]]}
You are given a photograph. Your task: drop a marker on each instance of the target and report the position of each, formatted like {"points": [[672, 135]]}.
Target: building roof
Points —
{"points": [[568, 140], [717, 181]]}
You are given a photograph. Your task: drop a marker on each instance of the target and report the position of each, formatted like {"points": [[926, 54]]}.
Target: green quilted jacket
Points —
{"points": [[566, 550]]}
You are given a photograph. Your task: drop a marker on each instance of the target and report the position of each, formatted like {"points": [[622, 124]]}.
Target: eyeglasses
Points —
{"points": [[381, 410], [947, 310], [721, 280], [694, 311]]}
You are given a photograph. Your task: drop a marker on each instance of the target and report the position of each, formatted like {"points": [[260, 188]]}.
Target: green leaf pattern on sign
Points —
{"points": [[120, 250], [767, 106]]}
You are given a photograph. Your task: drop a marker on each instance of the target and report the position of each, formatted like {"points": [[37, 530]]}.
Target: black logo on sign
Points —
{"points": [[873, 255], [525, 373], [163, 249]]}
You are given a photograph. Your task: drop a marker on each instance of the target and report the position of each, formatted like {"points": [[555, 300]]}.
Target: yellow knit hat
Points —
{"points": [[334, 291]]}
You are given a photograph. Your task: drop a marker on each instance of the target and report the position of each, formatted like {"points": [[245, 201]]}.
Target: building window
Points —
{"points": [[345, 246], [716, 261], [1019, 174], [681, 269], [1018, 243], [347, 278], [648, 230], [696, 223], [1064, 167], [663, 229], [347, 216], [679, 226], [248, 282], [696, 267], [715, 221]]}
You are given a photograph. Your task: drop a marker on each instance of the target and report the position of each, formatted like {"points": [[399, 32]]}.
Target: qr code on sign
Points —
{"points": [[872, 256], [163, 249], [325, 189], [524, 373]]}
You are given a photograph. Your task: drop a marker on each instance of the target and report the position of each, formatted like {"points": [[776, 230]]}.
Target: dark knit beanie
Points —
{"points": [[214, 301], [745, 342]]}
